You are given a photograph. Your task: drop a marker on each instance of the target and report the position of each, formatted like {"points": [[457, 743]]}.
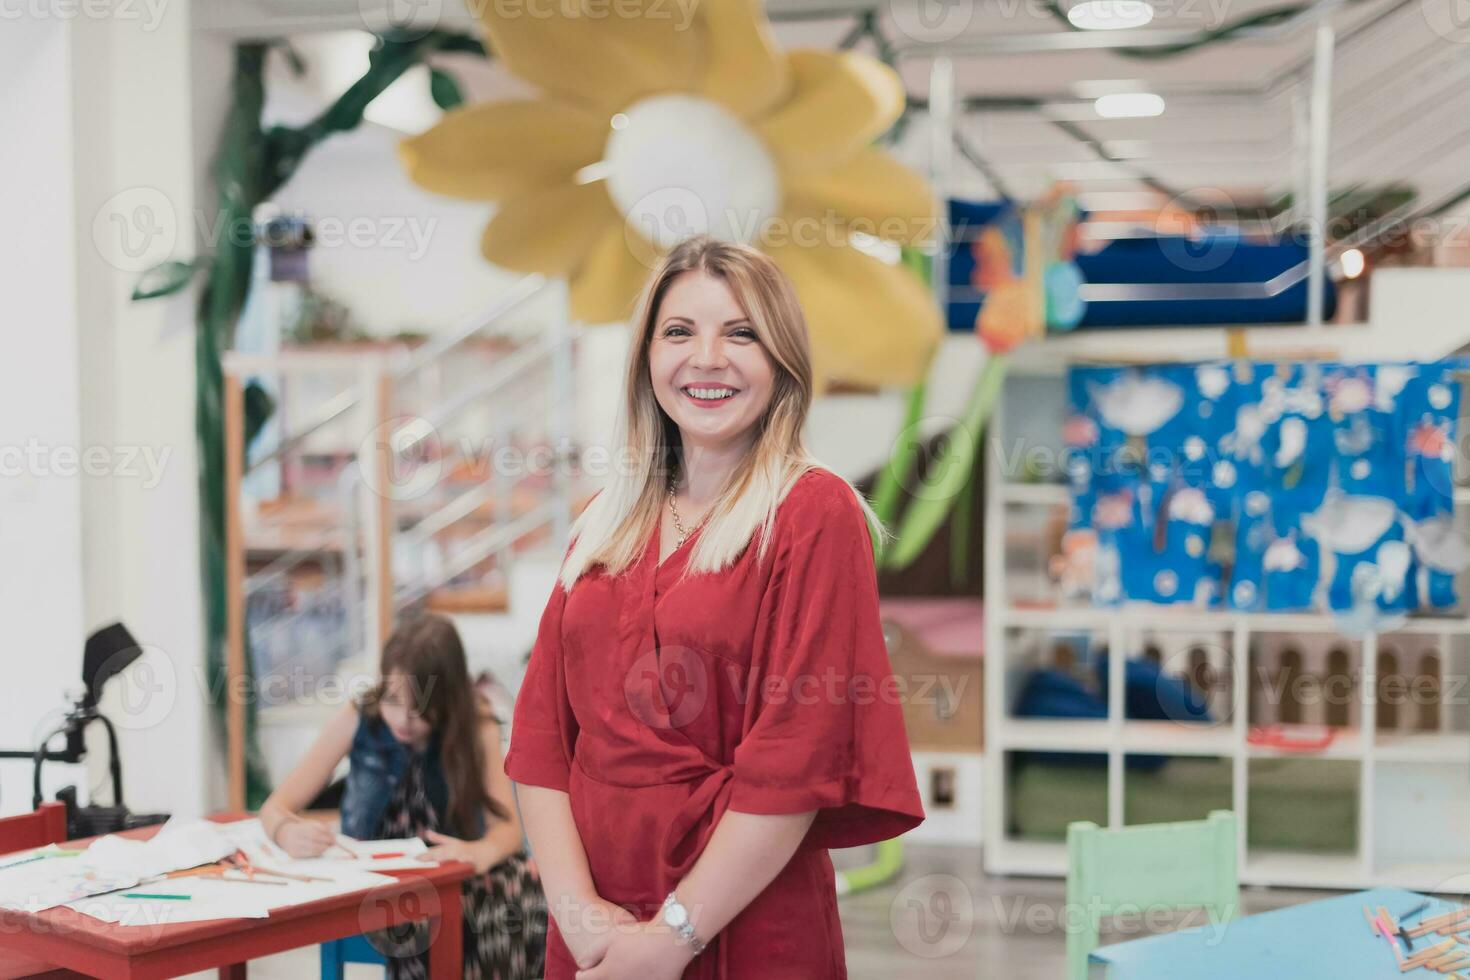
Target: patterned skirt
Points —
{"points": [[505, 912]]}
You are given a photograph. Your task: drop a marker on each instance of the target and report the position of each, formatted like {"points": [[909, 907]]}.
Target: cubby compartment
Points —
{"points": [[1165, 789]]}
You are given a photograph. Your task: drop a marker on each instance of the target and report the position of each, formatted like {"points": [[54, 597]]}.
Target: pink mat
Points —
{"points": [[948, 627]]}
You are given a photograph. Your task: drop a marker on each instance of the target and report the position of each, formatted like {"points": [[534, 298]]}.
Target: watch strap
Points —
{"points": [[684, 931]]}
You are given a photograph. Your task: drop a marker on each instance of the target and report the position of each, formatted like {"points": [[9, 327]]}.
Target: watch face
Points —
{"points": [[675, 915]]}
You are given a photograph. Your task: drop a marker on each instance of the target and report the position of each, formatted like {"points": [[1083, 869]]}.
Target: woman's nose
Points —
{"points": [[710, 354]]}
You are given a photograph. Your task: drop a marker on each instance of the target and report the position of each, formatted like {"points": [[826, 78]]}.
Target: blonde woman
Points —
{"points": [[709, 705]]}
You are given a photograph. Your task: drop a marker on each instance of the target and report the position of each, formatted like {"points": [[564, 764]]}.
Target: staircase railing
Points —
{"points": [[361, 520]]}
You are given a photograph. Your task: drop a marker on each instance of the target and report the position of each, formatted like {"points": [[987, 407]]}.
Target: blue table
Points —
{"points": [[1329, 939]]}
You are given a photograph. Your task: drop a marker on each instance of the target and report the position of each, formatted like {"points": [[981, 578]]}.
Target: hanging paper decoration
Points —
{"points": [[1256, 486], [1020, 262], [1204, 255], [652, 126]]}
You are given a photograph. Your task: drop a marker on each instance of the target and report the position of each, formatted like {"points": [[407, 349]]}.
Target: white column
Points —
{"points": [[106, 526], [40, 423]]}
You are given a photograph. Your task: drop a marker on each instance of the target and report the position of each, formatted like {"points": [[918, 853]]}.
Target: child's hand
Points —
{"points": [[302, 838], [448, 848]]}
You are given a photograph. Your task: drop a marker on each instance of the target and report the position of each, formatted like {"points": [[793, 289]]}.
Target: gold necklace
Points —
{"points": [[678, 524]]}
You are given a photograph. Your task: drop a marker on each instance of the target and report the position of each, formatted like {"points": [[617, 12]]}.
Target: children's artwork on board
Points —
{"points": [[1258, 486]]}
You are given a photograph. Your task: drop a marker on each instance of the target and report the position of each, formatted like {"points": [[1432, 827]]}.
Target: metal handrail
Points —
{"points": [[480, 547], [524, 289]]}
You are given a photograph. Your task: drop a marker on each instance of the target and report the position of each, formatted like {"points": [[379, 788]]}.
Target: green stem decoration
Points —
{"points": [[960, 524], [946, 479], [894, 476]]}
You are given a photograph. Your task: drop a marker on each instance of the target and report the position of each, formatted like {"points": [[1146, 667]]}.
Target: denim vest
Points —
{"points": [[377, 763]]}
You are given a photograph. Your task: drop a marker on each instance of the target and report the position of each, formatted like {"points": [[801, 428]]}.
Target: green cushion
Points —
{"points": [[1296, 804]]}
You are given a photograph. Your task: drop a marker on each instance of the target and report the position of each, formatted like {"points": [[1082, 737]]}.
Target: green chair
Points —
{"points": [[1134, 869]]}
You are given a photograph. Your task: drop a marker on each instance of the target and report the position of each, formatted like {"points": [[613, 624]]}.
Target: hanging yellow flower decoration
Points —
{"points": [[678, 120]]}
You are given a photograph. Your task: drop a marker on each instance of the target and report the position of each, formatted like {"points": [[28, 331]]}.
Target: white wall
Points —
{"points": [[40, 513], [102, 524]]}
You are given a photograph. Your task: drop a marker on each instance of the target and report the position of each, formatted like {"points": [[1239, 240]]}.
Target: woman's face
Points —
{"points": [[400, 706], [710, 373]]}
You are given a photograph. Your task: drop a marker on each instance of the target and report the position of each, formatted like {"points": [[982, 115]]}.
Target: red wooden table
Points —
{"points": [[68, 939]]}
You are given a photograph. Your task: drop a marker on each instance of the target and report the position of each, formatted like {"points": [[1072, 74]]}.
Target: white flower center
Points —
{"points": [[682, 165]]}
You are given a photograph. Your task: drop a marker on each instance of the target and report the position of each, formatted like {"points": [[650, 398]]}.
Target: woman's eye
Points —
{"points": [[745, 333], [676, 331]]}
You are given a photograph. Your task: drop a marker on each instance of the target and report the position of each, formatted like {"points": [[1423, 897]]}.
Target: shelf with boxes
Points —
{"points": [[934, 646], [1340, 750]]}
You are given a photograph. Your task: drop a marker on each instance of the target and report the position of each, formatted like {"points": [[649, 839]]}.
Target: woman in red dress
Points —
{"points": [[709, 705]]}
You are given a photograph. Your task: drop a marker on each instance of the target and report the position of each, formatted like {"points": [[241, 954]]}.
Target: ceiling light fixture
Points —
{"points": [[1129, 105], [1109, 15]]}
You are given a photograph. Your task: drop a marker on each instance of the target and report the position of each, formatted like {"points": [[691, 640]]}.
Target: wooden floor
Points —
{"points": [[941, 919]]}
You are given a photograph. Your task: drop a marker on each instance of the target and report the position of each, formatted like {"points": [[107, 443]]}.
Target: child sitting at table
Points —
{"points": [[424, 752]]}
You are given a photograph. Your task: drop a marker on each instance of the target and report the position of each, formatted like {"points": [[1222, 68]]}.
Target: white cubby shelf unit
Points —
{"points": [[1396, 702]]}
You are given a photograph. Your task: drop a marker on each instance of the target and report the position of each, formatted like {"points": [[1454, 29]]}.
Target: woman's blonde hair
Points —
{"points": [[614, 529]]}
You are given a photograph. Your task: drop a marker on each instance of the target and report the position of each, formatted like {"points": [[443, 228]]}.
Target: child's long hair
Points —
{"points": [[428, 653], [616, 525]]}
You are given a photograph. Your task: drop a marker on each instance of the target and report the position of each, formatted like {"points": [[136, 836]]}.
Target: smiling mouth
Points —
{"points": [[710, 394]]}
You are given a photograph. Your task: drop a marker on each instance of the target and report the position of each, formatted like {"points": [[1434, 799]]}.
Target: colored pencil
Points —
{"points": [[168, 898]]}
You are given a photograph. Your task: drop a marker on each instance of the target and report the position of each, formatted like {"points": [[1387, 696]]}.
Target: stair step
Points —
{"points": [[471, 599]]}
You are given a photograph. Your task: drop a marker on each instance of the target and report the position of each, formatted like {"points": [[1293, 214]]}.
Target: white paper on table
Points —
{"points": [[178, 845], [250, 837], [43, 885], [213, 899], [409, 847]]}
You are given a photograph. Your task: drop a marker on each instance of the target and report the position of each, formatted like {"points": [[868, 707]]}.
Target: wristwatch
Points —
{"points": [[676, 917]]}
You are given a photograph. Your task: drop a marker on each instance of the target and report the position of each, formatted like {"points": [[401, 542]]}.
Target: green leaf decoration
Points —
{"points": [[895, 474], [444, 89], [164, 279], [259, 407], [950, 472]]}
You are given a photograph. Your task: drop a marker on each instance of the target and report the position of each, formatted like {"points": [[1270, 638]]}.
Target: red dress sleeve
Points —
{"points": [[543, 731], [824, 724]]}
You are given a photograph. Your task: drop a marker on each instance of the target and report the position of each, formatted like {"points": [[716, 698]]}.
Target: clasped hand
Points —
{"points": [[609, 943]]}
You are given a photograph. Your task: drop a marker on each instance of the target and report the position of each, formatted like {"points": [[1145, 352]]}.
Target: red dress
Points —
{"points": [[765, 689]]}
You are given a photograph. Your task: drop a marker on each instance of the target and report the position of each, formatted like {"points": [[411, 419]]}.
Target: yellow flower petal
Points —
{"points": [[594, 53], [870, 323], [484, 152], [551, 230], [604, 288], [839, 103], [875, 193], [743, 69]]}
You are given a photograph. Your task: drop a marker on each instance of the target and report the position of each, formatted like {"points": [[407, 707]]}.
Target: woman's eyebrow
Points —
{"points": [[684, 319]]}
